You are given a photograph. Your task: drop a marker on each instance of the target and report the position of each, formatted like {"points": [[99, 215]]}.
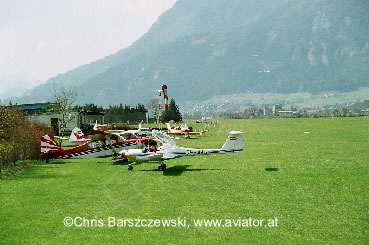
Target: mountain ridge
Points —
{"points": [[221, 47]]}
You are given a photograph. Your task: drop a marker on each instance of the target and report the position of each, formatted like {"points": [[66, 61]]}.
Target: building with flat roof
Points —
{"points": [[43, 113]]}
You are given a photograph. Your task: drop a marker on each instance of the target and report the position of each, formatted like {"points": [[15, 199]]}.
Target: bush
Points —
{"points": [[19, 137]]}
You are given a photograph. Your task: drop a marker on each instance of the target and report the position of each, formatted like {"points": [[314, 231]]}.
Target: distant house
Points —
{"points": [[52, 119], [276, 109], [88, 118], [267, 112], [364, 112], [286, 113]]}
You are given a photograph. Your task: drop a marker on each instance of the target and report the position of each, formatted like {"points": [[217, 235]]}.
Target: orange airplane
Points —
{"points": [[183, 129]]}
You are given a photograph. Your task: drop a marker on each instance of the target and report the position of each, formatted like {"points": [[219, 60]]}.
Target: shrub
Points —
{"points": [[19, 137]]}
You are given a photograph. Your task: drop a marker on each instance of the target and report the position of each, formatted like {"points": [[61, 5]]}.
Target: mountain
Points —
{"points": [[217, 47], [14, 86]]}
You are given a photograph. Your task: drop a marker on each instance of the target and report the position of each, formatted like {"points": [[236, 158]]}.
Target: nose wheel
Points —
{"points": [[162, 167], [130, 167]]}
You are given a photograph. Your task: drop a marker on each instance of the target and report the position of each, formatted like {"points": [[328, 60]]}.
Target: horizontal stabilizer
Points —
{"points": [[48, 144]]}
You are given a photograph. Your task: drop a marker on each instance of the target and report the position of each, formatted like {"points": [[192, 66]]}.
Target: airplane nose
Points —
{"points": [[131, 158]]}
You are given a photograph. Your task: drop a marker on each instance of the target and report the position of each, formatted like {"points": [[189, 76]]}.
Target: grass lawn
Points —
{"points": [[315, 184]]}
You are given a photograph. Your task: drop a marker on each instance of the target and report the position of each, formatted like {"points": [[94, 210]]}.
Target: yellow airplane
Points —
{"points": [[183, 129]]}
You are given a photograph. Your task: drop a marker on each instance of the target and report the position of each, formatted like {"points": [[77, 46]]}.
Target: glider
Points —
{"points": [[169, 150]]}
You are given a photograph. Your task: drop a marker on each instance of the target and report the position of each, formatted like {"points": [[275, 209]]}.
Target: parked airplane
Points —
{"points": [[143, 132], [76, 136], [169, 150], [103, 145], [183, 129]]}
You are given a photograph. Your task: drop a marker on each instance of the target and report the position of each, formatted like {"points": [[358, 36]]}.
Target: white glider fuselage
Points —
{"points": [[138, 155], [169, 150]]}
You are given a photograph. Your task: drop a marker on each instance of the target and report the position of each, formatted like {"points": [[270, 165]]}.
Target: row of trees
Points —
{"points": [[172, 114], [114, 109]]}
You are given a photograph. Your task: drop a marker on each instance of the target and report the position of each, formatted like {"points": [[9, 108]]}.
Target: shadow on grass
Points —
{"points": [[191, 138], [271, 169], [43, 176], [55, 162], [119, 163], [179, 169], [42, 172]]}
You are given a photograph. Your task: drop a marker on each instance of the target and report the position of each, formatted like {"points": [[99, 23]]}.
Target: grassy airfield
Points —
{"points": [[315, 183]]}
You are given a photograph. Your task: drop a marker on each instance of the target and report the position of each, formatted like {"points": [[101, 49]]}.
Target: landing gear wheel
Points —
{"points": [[162, 167], [130, 167]]}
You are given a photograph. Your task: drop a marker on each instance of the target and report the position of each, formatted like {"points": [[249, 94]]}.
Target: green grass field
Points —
{"points": [[316, 184]]}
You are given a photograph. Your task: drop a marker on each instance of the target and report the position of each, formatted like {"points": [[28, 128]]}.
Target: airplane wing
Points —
{"points": [[60, 138], [176, 133], [163, 138], [199, 132]]}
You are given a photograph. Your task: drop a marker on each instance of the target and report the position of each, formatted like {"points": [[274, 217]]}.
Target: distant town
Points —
{"points": [[355, 109]]}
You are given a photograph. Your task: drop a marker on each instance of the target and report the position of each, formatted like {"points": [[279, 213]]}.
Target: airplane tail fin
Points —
{"points": [[48, 145], [165, 139], [76, 135], [168, 127], [234, 142]]}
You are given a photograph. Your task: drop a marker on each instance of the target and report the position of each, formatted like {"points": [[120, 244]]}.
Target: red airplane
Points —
{"points": [[105, 145]]}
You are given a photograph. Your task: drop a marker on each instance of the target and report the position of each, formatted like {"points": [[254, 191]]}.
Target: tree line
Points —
{"points": [[172, 114], [114, 109]]}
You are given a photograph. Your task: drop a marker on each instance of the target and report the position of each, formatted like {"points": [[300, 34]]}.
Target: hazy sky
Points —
{"points": [[42, 38]]}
